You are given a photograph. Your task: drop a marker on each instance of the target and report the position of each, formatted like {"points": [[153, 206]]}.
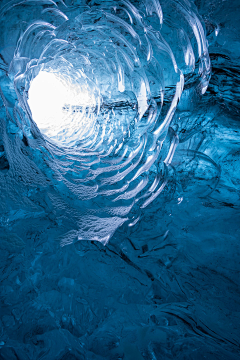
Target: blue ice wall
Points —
{"points": [[119, 224]]}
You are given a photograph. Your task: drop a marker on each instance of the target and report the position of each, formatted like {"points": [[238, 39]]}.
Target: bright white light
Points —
{"points": [[53, 101]]}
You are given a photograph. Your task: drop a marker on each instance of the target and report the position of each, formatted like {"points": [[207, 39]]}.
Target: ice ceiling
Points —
{"points": [[119, 138]]}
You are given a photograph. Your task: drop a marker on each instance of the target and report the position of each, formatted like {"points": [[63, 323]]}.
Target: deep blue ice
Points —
{"points": [[119, 190]]}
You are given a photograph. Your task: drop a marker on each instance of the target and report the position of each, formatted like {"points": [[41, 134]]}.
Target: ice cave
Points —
{"points": [[119, 180]]}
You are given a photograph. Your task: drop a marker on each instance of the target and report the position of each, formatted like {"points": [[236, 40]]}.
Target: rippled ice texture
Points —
{"points": [[119, 224]]}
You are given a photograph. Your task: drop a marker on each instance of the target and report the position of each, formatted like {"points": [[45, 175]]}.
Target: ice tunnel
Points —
{"points": [[119, 179]]}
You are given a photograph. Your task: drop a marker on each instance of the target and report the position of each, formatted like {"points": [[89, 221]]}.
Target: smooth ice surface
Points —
{"points": [[119, 180]]}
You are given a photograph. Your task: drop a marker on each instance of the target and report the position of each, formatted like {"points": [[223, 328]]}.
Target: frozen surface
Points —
{"points": [[119, 180]]}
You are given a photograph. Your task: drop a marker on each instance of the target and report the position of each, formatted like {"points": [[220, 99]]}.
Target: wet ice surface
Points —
{"points": [[165, 288]]}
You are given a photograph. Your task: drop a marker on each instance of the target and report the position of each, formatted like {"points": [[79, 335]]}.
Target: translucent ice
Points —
{"points": [[114, 143], [97, 87]]}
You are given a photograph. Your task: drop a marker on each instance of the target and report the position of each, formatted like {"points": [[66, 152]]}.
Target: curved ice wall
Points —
{"points": [[89, 92]]}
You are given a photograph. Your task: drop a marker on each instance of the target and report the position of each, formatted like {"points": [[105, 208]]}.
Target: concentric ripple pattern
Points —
{"points": [[103, 146]]}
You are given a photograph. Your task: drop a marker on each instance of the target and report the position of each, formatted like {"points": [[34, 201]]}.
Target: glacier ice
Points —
{"points": [[119, 178], [97, 89]]}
